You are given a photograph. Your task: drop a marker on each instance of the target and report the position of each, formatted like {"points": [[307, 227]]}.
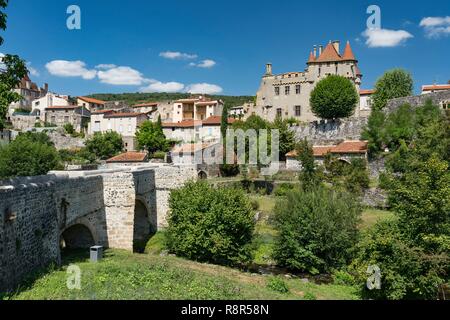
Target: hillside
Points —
{"points": [[135, 98]]}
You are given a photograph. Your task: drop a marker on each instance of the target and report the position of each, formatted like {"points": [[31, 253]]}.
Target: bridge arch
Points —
{"points": [[142, 226], [79, 235]]}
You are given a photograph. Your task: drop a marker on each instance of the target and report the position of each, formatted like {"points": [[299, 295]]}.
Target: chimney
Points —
{"points": [[320, 50], [315, 51], [46, 87], [336, 45], [268, 69]]}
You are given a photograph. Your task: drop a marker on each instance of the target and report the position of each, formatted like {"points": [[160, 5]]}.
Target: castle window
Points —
{"points": [[287, 90], [297, 89], [279, 112], [277, 91], [298, 111]]}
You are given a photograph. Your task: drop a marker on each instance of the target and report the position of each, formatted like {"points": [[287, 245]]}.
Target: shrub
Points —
{"points": [[30, 154], [159, 155], [317, 230], [394, 83], [210, 225], [229, 170], [283, 189], [255, 205], [278, 285], [69, 129], [105, 145], [150, 137], [407, 272], [310, 296], [334, 97]]}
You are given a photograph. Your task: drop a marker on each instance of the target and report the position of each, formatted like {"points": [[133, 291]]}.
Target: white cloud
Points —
{"points": [[436, 26], [33, 71], [122, 76], [63, 68], [105, 66], [204, 88], [385, 37], [208, 63], [158, 86], [175, 55]]}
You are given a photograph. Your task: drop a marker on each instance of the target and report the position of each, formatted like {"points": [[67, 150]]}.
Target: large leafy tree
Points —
{"points": [[392, 84], [334, 97], [105, 145], [150, 137], [12, 70], [29, 154]]}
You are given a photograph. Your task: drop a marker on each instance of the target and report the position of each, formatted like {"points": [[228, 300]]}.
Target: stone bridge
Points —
{"points": [[118, 208]]}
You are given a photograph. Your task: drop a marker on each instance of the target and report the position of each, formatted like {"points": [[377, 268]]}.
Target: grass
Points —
{"points": [[371, 216], [123, 275]]}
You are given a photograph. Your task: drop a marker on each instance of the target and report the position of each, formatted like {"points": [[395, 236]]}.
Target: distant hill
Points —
{"points": [[135, 98]]}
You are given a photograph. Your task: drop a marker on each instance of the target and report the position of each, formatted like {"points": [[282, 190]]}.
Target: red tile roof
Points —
{"points": [[102, 111], [311, 57], [62, 107], [129, 157], [436, 87], [91, 100], [124, 115], [366, 92], [206, 103], [182, 124], [342, 148], [348, 53], [329, 54], [216, 120]]}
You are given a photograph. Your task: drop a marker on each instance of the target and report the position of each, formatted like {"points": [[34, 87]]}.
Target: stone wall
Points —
{"points": [[331, 131], [416, 101], [65, 141]]}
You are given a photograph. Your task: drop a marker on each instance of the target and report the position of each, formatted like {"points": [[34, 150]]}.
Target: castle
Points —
{"points": [[287, 95]]}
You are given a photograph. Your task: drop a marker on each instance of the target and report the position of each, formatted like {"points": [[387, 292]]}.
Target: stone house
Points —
{"points": [[344, 151], [50, 99], [79, 117], [199, 108], [287, 94], [124, 123], [90, 104], [29, 92]]}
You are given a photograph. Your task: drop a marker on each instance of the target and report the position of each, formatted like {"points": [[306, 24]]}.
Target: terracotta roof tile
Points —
{"points": [[129, 157], [217, 120], [366, 92], [148, 104], [329, 54], [91, 100], [124, 115], [311, 57], [351, 147], [182, 124], [102, 111], [62, 107], [348, 53], [436, 87]]}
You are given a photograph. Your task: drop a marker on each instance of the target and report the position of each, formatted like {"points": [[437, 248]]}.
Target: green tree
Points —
{"points": [[150, 137], [105, 145], [316, 230], [210, 225], [374, 132], [394, 83], [308, 175], [12, 70], [334, 97], [287, 137], [28, 155], [69, 129]]}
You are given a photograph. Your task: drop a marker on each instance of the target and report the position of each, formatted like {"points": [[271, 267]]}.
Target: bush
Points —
{"points": [[105, 145], [76, 156], [210, 225], [30, 154], [317, 230], [159, 155], [283, 189], [69, 129], [229, 170], [278, 285], [334, 97], [394, 83], [407, 272]]}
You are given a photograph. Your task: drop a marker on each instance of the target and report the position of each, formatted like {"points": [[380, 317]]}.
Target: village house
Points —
{"points": [[199, 108], [365, 101], [29, 92], [77, 116], [188, 131], [345, 151], [426, 89], [124, 123], [287, 95], [50, 99], [90, 103]]}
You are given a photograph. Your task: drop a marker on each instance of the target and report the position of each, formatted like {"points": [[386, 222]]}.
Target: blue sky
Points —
{"points": [[218, 46]]}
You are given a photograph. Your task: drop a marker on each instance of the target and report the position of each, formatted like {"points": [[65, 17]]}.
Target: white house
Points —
{"points": [[199, 108], [49, 100], [435, 88]]}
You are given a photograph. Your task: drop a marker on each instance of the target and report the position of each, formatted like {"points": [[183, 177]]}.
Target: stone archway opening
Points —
{"points": [[142, 228], [77, 237]]}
